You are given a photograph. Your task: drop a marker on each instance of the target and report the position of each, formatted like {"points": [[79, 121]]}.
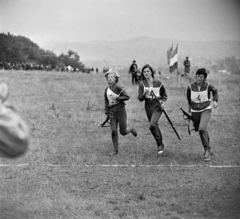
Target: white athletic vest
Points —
{"points": [[112, 96], [200, 97]]}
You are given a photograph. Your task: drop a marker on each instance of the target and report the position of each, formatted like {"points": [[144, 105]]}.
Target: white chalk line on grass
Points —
{"points": [[123, 165]]}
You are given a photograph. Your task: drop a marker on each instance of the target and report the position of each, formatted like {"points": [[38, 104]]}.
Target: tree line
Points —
{"points": [[19, 50]]}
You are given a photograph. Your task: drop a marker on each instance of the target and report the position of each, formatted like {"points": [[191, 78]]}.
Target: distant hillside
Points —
{"points": [[146, 50]]}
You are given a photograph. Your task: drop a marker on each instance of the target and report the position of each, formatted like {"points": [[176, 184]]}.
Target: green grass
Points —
{"points": [[64, 112]]}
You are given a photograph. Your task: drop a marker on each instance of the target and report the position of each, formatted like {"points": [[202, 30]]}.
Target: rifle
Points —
{"points": [[169, 120], [188, 117], [105, 121]]}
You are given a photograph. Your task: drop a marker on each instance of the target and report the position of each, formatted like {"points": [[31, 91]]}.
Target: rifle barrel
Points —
{"points": [[165, 113], [169, 120]]}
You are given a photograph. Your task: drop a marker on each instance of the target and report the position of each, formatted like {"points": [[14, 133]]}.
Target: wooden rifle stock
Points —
{"points": [[106, 121], [188, 117]]}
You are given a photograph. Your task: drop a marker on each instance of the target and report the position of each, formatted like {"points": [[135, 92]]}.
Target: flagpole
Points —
{"points": [[177, 75], [177, 63]]}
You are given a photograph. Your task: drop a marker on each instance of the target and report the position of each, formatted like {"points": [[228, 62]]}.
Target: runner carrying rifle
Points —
{"points": [[199, 105], [115, 96], [152, 107]]}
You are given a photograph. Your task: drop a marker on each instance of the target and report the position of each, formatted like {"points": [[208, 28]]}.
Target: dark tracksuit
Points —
{"points": [[152, 107], [186, 64], [117, 112], [200, 103], [133, 70]]}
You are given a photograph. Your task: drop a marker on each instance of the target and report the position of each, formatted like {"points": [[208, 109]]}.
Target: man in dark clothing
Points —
{"points": [[133, 70], [187, 65]]}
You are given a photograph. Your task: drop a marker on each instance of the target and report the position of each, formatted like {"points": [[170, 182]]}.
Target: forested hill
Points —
{"points": [[19, 49]]}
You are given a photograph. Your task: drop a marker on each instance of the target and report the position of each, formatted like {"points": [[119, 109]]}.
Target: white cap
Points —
{"points": [[110, 71]]}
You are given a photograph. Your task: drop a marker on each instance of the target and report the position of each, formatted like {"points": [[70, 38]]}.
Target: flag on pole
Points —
{"points": [[173, 60], [169, 53]]}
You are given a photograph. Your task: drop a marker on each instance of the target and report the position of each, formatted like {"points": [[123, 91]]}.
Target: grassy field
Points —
{"points": [[68, 173]]}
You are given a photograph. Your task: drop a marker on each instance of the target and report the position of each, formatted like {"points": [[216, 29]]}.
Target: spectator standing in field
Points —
{"points": [[199, 104], [153, 110], [187, 65], [115, 96], [133, 71]]}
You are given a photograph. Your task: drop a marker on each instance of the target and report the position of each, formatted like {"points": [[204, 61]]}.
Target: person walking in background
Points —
{"points": [[115, 96], [133, 71], [187, 65], [199, 104], [138, 77], [153, 110]]}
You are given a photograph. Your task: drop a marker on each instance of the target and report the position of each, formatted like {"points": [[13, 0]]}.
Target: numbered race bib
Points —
{"points": [[112, 97], [155, 90]]}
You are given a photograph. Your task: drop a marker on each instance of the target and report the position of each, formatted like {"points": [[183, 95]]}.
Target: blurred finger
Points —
{"points": [[4, 91]]}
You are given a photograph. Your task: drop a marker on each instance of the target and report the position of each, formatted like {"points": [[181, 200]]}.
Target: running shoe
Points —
{"points": [[160, 149], [114, 153], [207, 156]]}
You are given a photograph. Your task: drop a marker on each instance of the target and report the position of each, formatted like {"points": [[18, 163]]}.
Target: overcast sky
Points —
{"points": [[90, 20]]}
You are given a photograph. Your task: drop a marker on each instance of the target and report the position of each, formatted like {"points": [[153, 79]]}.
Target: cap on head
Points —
{"points": [[110, 71]]}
